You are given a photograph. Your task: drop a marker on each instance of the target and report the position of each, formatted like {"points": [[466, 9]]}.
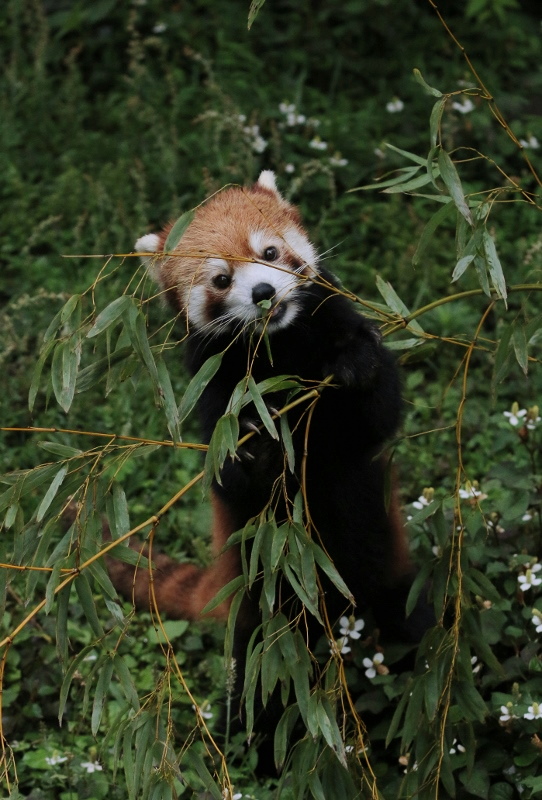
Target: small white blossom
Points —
{"points": [[204, 711], [395, 106], [436, 550], [475, 666], [379, 153], [372, 664], [351, 627], [533, 418], [318, 144], [515, 415], [471, 491], [537, 620], [420, 502], [289, 168], [337, 161], [531, 143], [464, 107], [91, 766], [287, 108], [527, 517], [456, 748], [534, 711], [55, 759], [160, 27], [339, 646], [529, 580], [506, 713]]}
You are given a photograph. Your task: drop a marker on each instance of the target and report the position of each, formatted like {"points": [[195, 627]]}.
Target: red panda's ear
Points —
{"points": [[147, 245], [268, 182]]}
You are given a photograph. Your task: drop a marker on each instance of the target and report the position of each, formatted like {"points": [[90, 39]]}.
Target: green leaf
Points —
{"points": [[254, 10], [261, 408], [226, 591], [415, 183], [64, 368], [494, 265], [410, 156], [198, 384], [452, 182], [434, 120], [178, 230], [192, 759], [169, 630], [84, 593], [36, 375], [461, 266], [62, 450], [109, 315], [100, 694], [168, 399], [94, 373], [287, 441], [51, 492], [70, 673], [394, 302], [419, 79], [400, 176], [429, 230], [519, 343], [325, 563]]}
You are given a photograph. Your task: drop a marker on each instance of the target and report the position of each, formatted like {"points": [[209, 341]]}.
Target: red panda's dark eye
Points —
{"points": [[222, 281], [270, 254]]}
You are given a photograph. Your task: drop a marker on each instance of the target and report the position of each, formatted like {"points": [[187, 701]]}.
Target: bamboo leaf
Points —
{"points": [[435, 118], [461, 266], [51, 493], [406, 154], [94, 373], [429, 230], [431, 89], [452, 182], [84, 593], [66, 683], [198, 384], [100, 694], [109, 315], [261, 408], [494, 265], [178, 230], [192, 759], [415, 183], [36, 375], [519, 343], [230, 588], [394, 302], [253, 12], [168, 399]]}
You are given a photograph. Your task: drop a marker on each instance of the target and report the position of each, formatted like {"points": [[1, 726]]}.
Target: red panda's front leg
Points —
{"points": [[182, 590]]}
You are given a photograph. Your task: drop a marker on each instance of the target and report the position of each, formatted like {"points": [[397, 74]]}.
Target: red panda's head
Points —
{"points": [[243, 260]]}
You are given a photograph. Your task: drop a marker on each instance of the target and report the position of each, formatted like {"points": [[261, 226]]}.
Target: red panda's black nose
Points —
{"points": [[262, 291]]}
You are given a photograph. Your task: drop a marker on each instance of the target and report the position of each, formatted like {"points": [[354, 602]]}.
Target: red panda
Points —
{"points": [[245, 265]]}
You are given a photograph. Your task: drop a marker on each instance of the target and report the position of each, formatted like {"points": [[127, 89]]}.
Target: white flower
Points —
{"points": [[337, 161], [475, 667], [464, 107], [395, 106], [436, 550], [421, 502], [534, 711], [529, 579], [456, 748], [287, 108], [372, 665], [289, 168], [91, 766], [533, 418], [515, 415], [527, 517], [318, 144], [204, 711], [506, 713], [160, 27], [537, 620], [379, 153], [55, 759], [471, 491], [351, 627], [530, 143], [339, 646]]}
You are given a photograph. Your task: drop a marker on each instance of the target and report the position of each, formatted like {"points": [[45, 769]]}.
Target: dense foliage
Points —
{"points": [[115, 117]]}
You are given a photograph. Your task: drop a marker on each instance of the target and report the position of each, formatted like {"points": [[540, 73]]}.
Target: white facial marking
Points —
{"points": [[300, 246], [196, 306]]}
